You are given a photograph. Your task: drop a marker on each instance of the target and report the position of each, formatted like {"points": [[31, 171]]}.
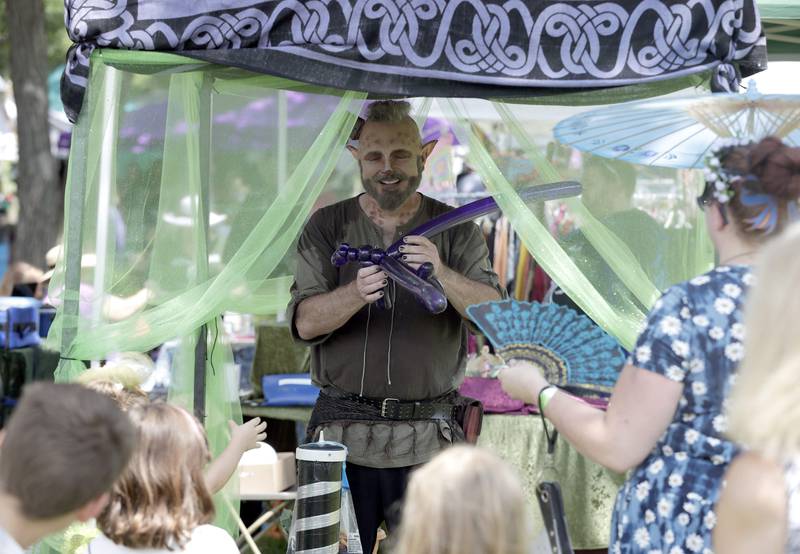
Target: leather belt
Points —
{"points": [[394, 408]]}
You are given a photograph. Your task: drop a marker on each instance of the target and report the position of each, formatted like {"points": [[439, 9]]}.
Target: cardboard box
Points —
{"points": [[256, 479]]}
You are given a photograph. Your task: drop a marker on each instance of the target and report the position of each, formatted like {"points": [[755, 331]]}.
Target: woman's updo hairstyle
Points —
{"points": [[765, 198], [778, 168]]}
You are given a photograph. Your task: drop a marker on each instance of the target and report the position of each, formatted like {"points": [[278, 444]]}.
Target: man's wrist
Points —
{"points": [[352, 294], [444, 274]]}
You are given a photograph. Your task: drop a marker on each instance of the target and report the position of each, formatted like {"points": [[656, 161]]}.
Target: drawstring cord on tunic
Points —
{"points": [[366, 341], [364, 357], [391, 330]]}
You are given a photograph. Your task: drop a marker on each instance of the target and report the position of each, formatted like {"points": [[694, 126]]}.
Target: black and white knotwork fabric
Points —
{"points": [[494, 48]]}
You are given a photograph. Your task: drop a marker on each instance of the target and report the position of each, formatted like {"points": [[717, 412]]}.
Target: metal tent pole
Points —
{"points": [[201, 349]]}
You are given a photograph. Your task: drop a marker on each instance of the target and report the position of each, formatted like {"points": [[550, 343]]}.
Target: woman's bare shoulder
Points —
{"points": [[756, 484], [751, 512]]}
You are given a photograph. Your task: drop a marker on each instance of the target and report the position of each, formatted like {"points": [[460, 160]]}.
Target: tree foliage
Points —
{"points": [[40, 198], [57, 40]]}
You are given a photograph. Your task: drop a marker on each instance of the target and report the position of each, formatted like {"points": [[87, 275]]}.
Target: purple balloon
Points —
{"points": [[426, 292], [485, 206], [421, 282]]}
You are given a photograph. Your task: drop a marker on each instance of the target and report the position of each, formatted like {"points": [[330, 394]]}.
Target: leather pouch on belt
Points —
{"points": [[470, 418]]}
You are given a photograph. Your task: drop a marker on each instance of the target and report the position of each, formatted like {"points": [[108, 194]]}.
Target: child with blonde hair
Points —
{"points": [[161, 502], [464, 501], [121, 383], [122, 380], [759, 509]]}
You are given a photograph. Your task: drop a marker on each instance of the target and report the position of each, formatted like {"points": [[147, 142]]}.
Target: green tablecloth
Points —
{"points": [[589, 490]]}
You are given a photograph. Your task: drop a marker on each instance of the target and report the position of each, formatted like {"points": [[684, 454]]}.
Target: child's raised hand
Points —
{"points": [[249, 434]]}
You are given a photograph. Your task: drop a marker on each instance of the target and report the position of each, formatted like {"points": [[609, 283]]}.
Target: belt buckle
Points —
{"points": [[385, 405]]}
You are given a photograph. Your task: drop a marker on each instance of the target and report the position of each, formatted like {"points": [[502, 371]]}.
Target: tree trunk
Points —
{"points": [[40, 198]]}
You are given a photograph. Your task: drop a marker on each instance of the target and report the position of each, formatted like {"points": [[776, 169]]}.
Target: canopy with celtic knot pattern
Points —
{"points": [[457, 48]]}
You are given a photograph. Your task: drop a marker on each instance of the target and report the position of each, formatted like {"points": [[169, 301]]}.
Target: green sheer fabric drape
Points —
{"points": [[189, 184], [182, 217], [168, 258], [596, 266], [537, 238]]}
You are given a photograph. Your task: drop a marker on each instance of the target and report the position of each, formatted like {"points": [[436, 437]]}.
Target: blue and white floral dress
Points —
{"points": [[693, 336]]}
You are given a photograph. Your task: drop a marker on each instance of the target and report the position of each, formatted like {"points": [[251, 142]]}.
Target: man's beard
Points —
{"points": [[390, 200]]}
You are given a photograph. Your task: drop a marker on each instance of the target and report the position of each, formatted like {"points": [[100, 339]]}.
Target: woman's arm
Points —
{"points": [[641, 408], [751, 512]]}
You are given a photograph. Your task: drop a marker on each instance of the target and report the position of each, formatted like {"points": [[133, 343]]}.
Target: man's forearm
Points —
{"points": [[321, 314], [463, 292]]}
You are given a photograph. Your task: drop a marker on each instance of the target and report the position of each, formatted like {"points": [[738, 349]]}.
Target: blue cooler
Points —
{"points": [[46, 317], [289, 389], [19, 322]]}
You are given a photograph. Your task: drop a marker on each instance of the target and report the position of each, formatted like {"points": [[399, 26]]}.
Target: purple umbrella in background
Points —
{"points": [[434, 128], [251, 126]]}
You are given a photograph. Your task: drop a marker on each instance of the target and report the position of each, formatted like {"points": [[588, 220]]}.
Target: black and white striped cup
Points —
{"points": [[319, 491]]}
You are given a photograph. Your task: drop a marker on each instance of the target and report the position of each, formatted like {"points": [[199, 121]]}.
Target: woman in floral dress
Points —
{"points": [[665, 419]]}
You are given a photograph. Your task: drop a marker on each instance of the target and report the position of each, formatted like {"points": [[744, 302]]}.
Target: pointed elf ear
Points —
{"points": [[427, 148], [355, 134]]}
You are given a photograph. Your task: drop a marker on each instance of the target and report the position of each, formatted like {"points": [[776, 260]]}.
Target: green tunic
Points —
{"points": [[406, 352]]}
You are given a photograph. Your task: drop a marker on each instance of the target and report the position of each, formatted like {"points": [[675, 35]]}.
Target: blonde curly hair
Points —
{"points": [[120, 379]]}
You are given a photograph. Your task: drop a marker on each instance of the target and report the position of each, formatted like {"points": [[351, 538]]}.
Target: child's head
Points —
{"points": [[124, 397], [118, 381], [162, 496], [62, 449], [465, 501]]}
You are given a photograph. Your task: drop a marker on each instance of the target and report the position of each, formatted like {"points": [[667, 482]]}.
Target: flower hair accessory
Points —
{"points": [[718, 178]]}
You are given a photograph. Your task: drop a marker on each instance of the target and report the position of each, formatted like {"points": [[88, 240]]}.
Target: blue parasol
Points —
{"points": [[680, 132]]}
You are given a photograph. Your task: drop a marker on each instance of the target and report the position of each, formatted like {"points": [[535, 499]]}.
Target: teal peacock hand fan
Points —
{"points": [[570, 349]]}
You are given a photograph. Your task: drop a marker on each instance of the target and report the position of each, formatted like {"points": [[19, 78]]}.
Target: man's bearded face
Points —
{"points": [[392, 188], [391, 162]]}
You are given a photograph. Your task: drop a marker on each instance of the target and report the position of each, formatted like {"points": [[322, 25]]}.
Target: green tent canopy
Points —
{"points": [[193, 169], [781, 21]]}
